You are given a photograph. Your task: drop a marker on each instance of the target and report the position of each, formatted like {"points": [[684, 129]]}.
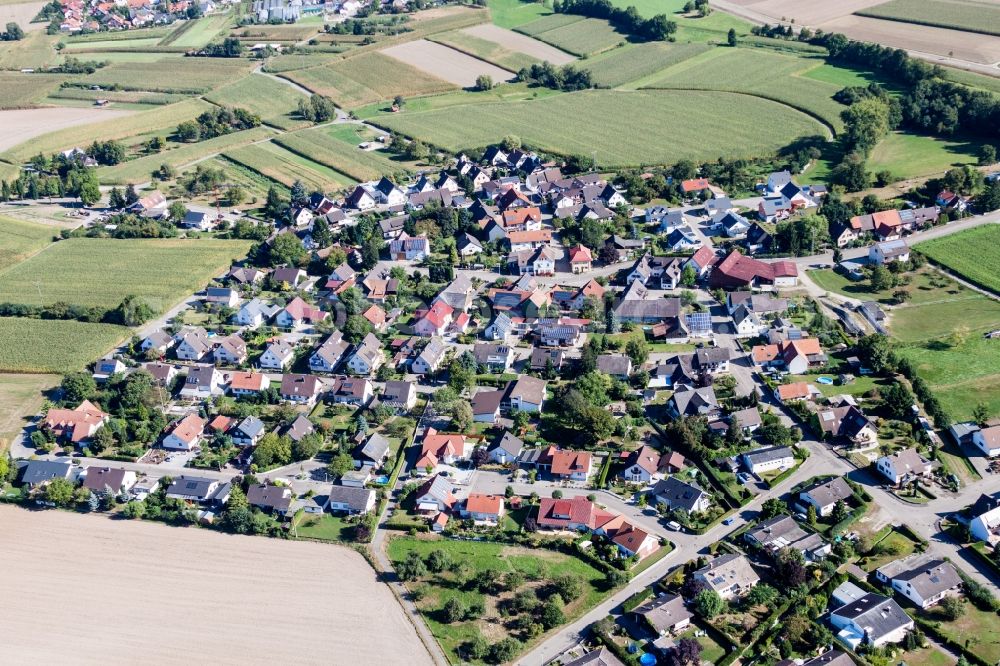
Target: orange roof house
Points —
{"points": [[694, 185], [76, 425], [440, 448], [571, 464], [480, 506]]}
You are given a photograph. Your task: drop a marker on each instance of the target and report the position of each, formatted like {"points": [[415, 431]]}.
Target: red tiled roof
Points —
{"points": [[694, 185], [566, 462], [488, 504], [438, 313], [580, 254]]}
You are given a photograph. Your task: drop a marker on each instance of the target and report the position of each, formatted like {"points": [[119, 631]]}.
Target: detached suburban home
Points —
{"points": [[438, 448], [903, 466], [400, 395], [163, 373], [483, 508], [434, 496], [37, 473], [824, 496], [794, 356], [783, 532], [506, 448], [328, 356], [496, 357], [848, 423], [300, 389], [223, 296], [344, 499], [367, 357], [112, 479], [571, 465], [230, 350], [526, 394], [248, 432], [270, 498], [922, 579], [988, 440], [666, 614], [193, 344], [730, 576], [768, 459], [255, 312], [200, 490], [888, 251], [634, 541], [429, 359], [787, 393], [673, 493], [299, 313], [248, 383], [158, 341], [277, 356], [643, 465], [203, 381], [184, 434], [76, 425], [435, 321], [486, 406], [351, 391], [106, 367], [870, 619], [616, 365], [373, 452]]}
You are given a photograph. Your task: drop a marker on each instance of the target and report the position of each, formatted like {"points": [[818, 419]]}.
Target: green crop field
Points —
{"points": [[972, 80], [274, 101], [285, 167], [983, 17], [912, 155], [275, 33], [961, 373], [288, 63], [85, 47], [761, 73], [163, 118], [650, 8], [485, 50], [635, 62], [651, 126], [139, 170], [512, 13], [201, 32], [336, 146], [366, 78], [22, 91], [181, 75], [47, 345], [974, 254], [101, 272], [20, 239], [121, 36], [584, 36], [122, 96], [549, 22]]}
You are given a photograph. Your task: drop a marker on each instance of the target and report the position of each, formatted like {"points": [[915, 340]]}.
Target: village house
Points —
{"points": [[440, 448], [222, 296], [665, 614], [922, 578], [616, 365], [193, 344], [351, 391], [300, 389], [401, 396], [787, 393], [435, 320], [571, 465], [108, 479], [372, 453], [486, 406], [738, 271], [730, 576], [848, 423], [367, 357], [525, 394], [886, 252], [482, 508], [505, 449], [199, 490], [580, 259], [434, 496], [867, 618], [987, 440], [430, 357], [497, 358], [162, 373], [903, 466], [689, 401], [674, 494], [202, 382], [299, 313], [184, 434], [328, 355], [284, 278], [77, 425], [270, 498], [277, 356], [242, 384], [768, 459], [35, 474], [230, 350], [410, 248], [824, 496], [254, 313], [643, 465], [794, 356], [248, 432], [782, 532], [347, 500], [158, 341]]}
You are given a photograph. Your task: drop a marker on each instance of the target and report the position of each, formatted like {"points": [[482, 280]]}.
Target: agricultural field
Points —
{"points": [[116, 96], [197, 34], [54, 345], [101, 272], [536, 565], [19, 240], [275, 33], [139, 170], [760, 73], [288, 63], [172, 75], [121, 36], [518, 43], [24, 91], [967, 15], [583, 36], [275, 102], [35, 51], [973, 254], [635, 63], [512, 13], [972, 80], [336, 146], [99, 45], [445, 63], [912, 155], [21, 398], [655, 127], [97, 125], [285, 167], [507, 92], [367, 78], [961, 372]]}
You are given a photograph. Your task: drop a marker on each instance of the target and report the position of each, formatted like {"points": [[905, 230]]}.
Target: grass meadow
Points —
{"points": [[23, 91], [171, 75], [512, 13], [907, 155], [101, 272], [651, 126], [633, 63]]}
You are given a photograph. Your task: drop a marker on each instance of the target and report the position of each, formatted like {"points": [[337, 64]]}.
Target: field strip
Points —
{"points": [[445, 63], [22, 125], [516, 41]]}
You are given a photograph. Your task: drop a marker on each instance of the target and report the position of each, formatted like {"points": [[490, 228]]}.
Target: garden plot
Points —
{"points": [[445, 63]]}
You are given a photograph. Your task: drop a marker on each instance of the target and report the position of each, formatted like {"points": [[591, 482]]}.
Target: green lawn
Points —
{"points": [[20, 239], [960, 375], [918, 323], [324, 527], [512, 13], [711, 651], [860, 386], [537, 565], [926, 286], [978, 630], [101, 272], [907, 155], [974, 254], [52, 345], [654, 126], [893, 546]]}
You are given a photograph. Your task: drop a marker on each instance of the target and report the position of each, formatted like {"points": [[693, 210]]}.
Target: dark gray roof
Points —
{"points": [[677, 494], [509, 442], [599, 657], [877, 614], [40, 471], [664, 612], [375, 448], [355, 498], [768, 454]]}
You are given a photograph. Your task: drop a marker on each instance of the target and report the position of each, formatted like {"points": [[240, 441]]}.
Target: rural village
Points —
{"points": [[551, 327]]}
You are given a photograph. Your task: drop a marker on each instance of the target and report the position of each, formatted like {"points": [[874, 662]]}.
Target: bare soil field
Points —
{"points": [[21, 13], [18, 126], [515, 41], [445, 63], [189, 596]]}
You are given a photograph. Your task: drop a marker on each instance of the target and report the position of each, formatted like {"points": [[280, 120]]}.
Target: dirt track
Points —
{"points": [[91, 590], [445, 63], [20, 125]]}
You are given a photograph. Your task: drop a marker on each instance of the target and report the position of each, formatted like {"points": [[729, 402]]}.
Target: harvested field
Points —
{"points": [[367, 78], [517, 42], [54, 345], [139, 170], [655, 127], [174, 75], [981, 17], [586, 36], [195, 579], [24, 91], [21, 13], [285, 167], [760, 73], [445, 63], [274, 101], [20, 400], [16, 127], [939, 41], [101, 272], [636, 62]]}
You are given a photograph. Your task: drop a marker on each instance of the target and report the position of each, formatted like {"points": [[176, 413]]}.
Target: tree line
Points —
{"points": [[657, 28]]}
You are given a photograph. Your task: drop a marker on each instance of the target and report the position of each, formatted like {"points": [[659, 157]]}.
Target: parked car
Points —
{"points": [[674, 525]]}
